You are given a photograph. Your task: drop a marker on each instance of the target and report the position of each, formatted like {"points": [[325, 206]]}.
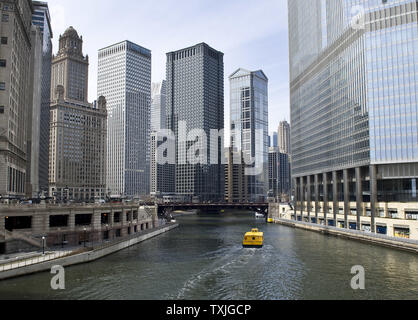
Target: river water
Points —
{"points": [[204, 259]]}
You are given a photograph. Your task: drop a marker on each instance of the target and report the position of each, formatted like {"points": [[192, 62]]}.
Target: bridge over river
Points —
{"points": [[165, 209]]}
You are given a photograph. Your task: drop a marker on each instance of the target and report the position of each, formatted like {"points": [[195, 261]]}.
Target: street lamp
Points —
{"points": [[85, 229], [43, 246]]}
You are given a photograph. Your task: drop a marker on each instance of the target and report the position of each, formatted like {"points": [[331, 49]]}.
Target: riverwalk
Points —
{"points": [[397, 243], [42, 263]]}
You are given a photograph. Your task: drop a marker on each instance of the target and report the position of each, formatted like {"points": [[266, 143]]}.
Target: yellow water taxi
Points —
{"points": [[253, 239]]}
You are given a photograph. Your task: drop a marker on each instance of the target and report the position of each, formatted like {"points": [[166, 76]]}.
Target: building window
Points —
{"points": [[5, 18], [1, 109], [2, 63], [4, 40], [2, 86]]}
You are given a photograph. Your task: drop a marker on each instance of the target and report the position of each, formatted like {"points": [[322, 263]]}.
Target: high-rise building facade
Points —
{"points": [[195, 100], [162, 174], [283, 137], [249, 127], [158, 106], [279, 174], [354, 112], [275, 140], [236, 190], [124, 78], [15, 96], [33, 115], [41, 18], [77, 158]]}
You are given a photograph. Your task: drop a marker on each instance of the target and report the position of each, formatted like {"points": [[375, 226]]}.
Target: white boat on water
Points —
{"points": [[259, 215]]}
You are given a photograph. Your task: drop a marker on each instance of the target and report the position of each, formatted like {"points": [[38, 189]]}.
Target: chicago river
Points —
{"points": [[204, 259]]}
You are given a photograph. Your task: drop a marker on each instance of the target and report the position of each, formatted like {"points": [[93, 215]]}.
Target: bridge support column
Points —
{"points": [[297, 198], [309, 197], [302, 196], [347, 180], [373, 196], [325, 206], [359, 197], [335, 206], [316, 197]]}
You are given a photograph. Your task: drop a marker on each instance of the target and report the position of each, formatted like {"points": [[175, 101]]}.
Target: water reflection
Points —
{"points": [[204, 259]]}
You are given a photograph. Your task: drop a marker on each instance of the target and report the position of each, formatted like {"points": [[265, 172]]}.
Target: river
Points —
{"points": [[203, 259]]}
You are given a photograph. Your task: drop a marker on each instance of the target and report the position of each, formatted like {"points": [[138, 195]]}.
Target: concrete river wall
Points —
{"points": [[88, 256]]}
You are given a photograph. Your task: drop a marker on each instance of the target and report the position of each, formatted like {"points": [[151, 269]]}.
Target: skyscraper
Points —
{"points": [[15, 96], [158, 106], [236, 190], [279, 174], [124, 78], [77, 160], [195, 100], [249, 127], [41, 18], [275, 140], [284, 137], [162, 175], [354, 112], [33, 114]]}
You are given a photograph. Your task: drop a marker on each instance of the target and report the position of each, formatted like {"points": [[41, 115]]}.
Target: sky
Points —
{"points": [[252, 35]]}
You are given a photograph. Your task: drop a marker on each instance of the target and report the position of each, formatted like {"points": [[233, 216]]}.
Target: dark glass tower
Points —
{"points": [[41, 18], [195, 98]]}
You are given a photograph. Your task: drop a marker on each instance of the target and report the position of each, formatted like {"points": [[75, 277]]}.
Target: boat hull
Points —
{"points": [[252, 246]]}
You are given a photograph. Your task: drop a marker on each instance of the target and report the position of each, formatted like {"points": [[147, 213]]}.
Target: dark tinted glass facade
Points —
{"points": [[195, 97]]}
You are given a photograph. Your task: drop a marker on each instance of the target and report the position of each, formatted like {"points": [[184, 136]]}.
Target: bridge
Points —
{"points": [[165, 209]]}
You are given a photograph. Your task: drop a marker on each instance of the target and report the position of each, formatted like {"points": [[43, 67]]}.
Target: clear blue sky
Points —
{"points": [[252, 34]]}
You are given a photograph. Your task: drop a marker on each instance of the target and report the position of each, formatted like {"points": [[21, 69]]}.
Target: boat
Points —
{"points": [[259, 215], [253, 239]]}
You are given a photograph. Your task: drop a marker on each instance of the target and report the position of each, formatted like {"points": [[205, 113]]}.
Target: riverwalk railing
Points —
{"points": [[34, 260]]}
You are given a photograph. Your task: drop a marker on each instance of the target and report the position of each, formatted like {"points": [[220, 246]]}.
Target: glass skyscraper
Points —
{"points": [[41, 18], [124, 78], [354, 111], [195, 99], [158, 106], [249, 127]]}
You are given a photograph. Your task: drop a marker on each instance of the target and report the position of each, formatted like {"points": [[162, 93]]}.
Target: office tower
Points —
{"points": [[158, 106], [195, 100], [41, 18], [284, 137], [77, 161], [33, 115], [275, 140], [354, 113], [124, 78], [162, 178], [15, 96], [162, 174], [236, 190], [279, 174], [249, 127]]}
